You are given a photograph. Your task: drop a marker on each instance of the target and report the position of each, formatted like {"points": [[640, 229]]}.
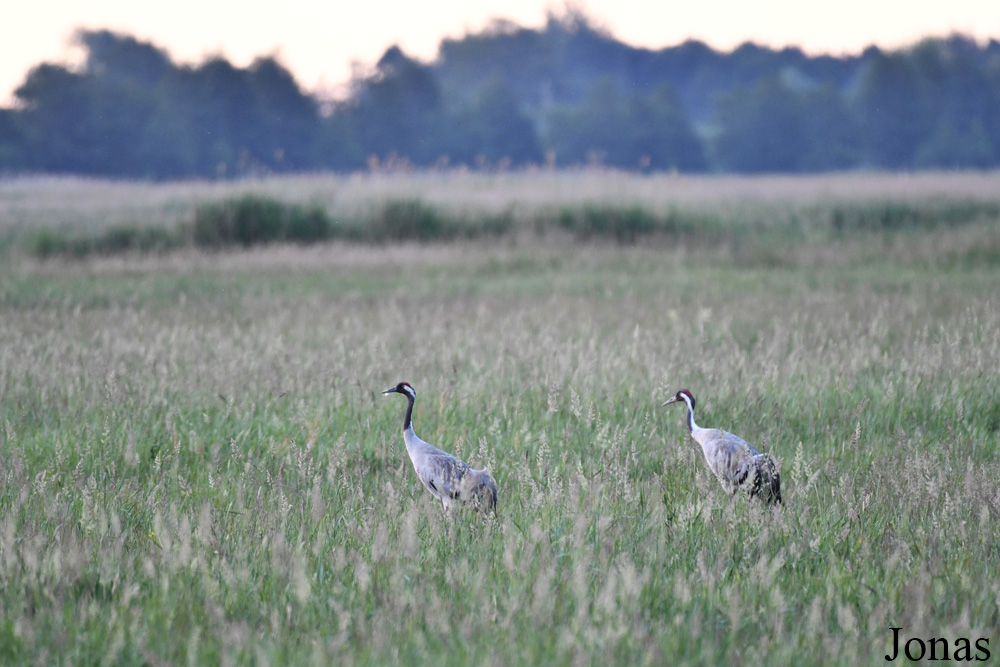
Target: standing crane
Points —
{"points": [[733, 460], [447, 477]]}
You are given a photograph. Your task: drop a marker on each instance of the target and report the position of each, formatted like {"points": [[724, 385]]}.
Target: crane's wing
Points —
{"points": [[741, 466], [733, 466], [726, 455], [442, 473]]}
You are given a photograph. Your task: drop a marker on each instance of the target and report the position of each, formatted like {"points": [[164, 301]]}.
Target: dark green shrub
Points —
{"points": [[251, 220], [133, 238], [51, 243], [114, 240], [414, 220], [889, 216], [623, 224], [308, 225], [497, 224], [48, 243], [411, 220]]}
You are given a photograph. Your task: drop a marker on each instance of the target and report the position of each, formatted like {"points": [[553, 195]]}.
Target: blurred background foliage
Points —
{"points": [[567, 94]]}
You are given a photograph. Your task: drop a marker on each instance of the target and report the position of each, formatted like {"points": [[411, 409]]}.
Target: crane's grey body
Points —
{"points": [[447, 477], [735, 462]]}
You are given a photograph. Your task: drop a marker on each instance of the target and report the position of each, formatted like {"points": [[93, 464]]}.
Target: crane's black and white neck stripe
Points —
{"points": [[687, 397], [411, 395]]}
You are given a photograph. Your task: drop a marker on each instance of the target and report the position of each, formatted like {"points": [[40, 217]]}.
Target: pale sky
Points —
{"points": [[319, 41]]}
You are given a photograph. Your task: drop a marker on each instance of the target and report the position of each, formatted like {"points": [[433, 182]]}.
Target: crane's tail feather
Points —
{"points": [[481, 488], [766, 479], [490, 495]]}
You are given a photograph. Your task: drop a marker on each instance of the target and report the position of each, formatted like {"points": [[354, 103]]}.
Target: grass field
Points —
{"points": [[196, 464]]}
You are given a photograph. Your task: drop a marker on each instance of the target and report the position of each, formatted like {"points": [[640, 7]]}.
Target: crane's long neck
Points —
{"points": [[692, 427], [413, 443], [407, 419]]}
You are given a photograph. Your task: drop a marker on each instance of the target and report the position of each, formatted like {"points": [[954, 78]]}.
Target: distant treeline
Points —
{"points": [[567, 94]]}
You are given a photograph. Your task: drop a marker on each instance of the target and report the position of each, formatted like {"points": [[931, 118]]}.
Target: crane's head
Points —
{"points": [[682, 395], [402, 388]]}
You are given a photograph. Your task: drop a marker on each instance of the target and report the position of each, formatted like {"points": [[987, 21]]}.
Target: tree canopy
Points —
{"points": [[513, 96]]}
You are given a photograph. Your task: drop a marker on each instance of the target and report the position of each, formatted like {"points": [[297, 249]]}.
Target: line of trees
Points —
{"points": [[566, 94]]}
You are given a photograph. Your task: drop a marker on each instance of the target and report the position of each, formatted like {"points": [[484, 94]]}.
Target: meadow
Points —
{"points": [[197, 466]]}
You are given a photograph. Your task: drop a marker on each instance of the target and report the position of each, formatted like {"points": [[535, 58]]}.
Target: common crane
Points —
{"points": [[447, 477], [733, 460]]}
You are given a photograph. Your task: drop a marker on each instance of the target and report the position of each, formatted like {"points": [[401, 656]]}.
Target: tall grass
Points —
{"points": [[71, 217], [196, 464]]}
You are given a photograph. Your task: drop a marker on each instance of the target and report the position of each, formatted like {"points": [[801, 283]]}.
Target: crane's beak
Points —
{"points": [[673, 399], [390, 390]]}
